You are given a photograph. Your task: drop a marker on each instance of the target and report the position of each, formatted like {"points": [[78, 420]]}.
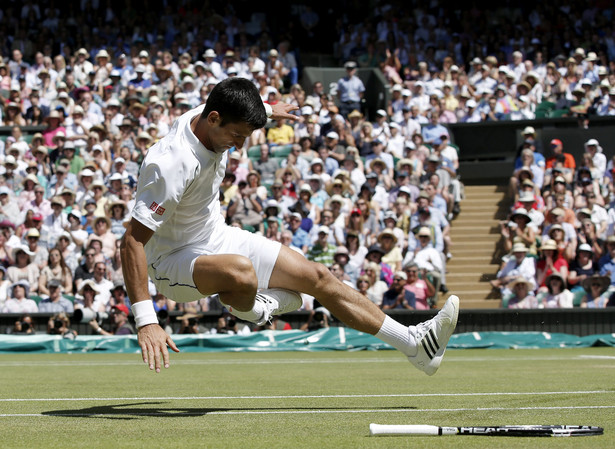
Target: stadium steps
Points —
{"points": [[475, 234]]}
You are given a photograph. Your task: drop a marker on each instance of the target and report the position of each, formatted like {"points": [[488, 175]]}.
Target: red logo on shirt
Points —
{"points": [[156, 208]]}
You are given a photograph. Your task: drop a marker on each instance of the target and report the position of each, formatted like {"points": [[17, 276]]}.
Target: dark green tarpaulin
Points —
{"points": [[332, 339]]}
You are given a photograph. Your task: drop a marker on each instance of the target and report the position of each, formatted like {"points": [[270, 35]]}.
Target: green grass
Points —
{"points": [[301, 400]]}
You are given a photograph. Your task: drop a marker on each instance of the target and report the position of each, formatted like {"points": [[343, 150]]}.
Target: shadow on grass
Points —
{"points": [[135, 411]]}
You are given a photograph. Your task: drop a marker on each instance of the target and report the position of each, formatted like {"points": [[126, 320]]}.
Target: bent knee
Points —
{"points": [[318, 275], [242, 274]]}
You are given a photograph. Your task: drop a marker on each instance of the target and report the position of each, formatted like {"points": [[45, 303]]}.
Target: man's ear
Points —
{"points": [[214, 118]]}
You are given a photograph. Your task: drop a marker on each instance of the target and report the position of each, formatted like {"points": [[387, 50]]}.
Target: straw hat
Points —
{"points": [[604, 282], [520, 280], [387, 233], [519, 248], [548, 244]]}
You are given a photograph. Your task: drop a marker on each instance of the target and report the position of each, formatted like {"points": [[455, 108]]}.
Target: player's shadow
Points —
{"points": [[159, 410]]}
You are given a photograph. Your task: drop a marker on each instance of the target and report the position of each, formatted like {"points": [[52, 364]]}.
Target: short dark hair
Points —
{"points": [[236, 100]]}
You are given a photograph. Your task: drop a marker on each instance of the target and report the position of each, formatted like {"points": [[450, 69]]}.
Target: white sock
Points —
{"points": [[253, 316], [398, 336]]}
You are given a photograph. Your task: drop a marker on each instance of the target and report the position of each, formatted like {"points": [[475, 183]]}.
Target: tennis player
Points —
{"points": [[178, 235]]}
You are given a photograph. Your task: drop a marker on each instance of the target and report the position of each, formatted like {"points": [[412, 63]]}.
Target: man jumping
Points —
{"points": [[178, 236]]}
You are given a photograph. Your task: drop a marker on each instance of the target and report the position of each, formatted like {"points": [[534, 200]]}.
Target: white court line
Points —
{"points": [[205, 361], [308, 412], [598, 357], [324, 396]]}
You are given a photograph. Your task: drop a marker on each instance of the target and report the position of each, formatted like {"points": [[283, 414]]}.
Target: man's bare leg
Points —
{"points": [[423, 344]]}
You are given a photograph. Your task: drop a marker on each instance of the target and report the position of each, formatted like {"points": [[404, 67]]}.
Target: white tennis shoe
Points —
{"points": [[432, 336], [278, 301], [273, 301]]}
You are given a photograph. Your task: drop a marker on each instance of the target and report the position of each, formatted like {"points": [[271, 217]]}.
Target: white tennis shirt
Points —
{"points": [[178, 190]]}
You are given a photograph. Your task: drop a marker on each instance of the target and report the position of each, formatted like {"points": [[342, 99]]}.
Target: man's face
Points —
{"points": [[221, 138], [295, 222], [54, 292], [99, 271], [519, 256], [557, 148]]}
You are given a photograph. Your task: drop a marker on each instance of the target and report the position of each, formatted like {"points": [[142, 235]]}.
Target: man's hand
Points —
{"points": [[281, 111], [153, 341]]}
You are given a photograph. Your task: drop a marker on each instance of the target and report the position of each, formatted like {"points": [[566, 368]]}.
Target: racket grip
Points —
{"points": [[401, 429]]}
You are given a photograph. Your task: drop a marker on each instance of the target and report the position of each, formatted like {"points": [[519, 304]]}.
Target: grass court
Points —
{"points": [[301, 399]]}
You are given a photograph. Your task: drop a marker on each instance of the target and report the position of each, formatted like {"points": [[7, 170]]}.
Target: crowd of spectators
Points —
{"points": [[370, 197], [559, 236]]}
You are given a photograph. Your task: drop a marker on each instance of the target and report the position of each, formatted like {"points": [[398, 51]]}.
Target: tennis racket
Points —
{"points": [[505, 431]]}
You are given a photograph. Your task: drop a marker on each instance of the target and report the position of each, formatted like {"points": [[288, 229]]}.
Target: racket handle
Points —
{"points": [[402, 429]]}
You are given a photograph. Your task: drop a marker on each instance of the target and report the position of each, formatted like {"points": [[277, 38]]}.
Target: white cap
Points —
{"points": [[592, 142], [332, 135]]}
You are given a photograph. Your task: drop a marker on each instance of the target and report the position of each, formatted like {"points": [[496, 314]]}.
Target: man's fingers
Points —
{"points": [[149, 357], [172, 345], [144, 352], [153, 342], [157, 357], [165, 356]]}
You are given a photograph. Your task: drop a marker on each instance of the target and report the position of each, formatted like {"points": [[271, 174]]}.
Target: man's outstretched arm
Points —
{"points": [[153, 340]]}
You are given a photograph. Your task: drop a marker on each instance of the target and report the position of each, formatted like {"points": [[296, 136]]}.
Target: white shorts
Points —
{"points": [[172, 274]]}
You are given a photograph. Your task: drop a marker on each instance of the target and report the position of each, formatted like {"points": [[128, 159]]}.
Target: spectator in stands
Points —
{"points": [[392, 253], [583, 266], [518, 265], [23, 326], [397, 297], [53, 121], [9, 209], [19, 301], [322, 251], [119, 294], [23, 269], [557, 148], [377, 287], [118, 215], [281, 133], [57, 269], [592, 146], [4, 287], [597, 293], [59, 324], [55, 302], [427, 257], [120, 326], [102, 232], [551, 261], [565, 248], [319, 319], [55, 223], [350, 90], [558, 295], [522, 296], [421, 286]]}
